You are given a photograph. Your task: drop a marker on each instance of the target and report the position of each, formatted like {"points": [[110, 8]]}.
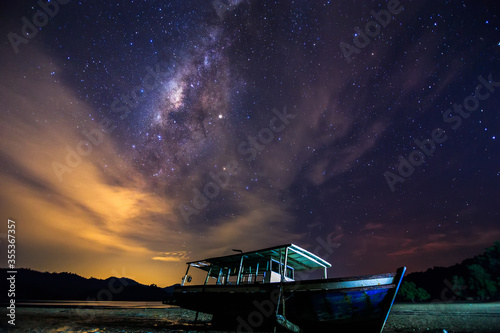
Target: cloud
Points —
{"points": [[105, 212], [102, 207], [445, 243], [172, 256], [119, 208], [373, 226]]}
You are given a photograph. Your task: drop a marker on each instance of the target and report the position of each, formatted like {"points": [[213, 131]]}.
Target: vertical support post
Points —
{"points": [[208, 275], [239, 271], [218, 277], [286, 261], [257, 271], [185, 275], [280, 266], [326, 274]]}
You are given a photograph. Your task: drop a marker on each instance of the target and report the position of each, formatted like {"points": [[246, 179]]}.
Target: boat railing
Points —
{"points": [[276, 264]]}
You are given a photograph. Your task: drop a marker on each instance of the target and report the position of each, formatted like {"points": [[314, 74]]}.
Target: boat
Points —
{"points": [[274, 289]]}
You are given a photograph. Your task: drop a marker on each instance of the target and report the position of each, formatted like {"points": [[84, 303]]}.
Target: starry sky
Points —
{"points": [[138, 135]]}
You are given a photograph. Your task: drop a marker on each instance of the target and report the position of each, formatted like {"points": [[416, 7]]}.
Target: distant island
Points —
{"points": [[34, 285], [474, 279]]}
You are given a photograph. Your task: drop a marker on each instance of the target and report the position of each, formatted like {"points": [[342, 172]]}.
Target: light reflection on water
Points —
{"points": [[111, 317], [97, 304]]}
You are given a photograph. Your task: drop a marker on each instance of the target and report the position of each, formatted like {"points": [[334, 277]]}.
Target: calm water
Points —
{"points": [[96, 304], [109, 317]]}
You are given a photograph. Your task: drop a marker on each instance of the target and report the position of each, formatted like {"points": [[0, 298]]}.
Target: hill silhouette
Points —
{"points": [[476, 278], [35, 285]]}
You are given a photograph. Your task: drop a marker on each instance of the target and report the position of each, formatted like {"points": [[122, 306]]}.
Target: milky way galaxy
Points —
{"points": [[185, 124], [141, 135]]}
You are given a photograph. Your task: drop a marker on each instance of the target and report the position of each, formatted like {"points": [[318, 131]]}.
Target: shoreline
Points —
{"points": [[102, 305], [404, 317]]}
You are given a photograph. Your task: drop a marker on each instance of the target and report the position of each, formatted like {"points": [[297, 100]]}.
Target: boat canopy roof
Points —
{"points": [[298, 258]]}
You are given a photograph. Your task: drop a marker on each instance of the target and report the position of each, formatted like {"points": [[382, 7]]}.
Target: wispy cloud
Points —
{"points": [[172, 256]]}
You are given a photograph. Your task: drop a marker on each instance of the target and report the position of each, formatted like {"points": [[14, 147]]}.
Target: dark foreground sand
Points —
{"points": [[452, 318], [445, 317]]}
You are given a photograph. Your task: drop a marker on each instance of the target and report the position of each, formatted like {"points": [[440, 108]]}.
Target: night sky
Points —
{"points": [[138, 135]]}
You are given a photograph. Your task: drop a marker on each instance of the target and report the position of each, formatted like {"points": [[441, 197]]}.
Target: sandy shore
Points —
{"points": [[37, 319], [452, 318], [445, 317]]}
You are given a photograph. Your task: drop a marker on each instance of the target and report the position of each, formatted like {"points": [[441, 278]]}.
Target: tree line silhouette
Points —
{"points": [[474, 279]]}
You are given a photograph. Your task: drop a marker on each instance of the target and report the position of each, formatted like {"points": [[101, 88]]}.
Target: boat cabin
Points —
{"points": [[269, 265]]}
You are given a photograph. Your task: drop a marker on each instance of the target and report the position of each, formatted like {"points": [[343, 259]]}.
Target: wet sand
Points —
{"points": [[444, 317], [452, 318]]}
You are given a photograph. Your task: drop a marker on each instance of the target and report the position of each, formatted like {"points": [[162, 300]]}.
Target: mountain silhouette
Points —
{"points": [[476, 278], [35, 285]]}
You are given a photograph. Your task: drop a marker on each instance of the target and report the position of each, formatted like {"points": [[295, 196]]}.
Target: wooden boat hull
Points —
{"points": [[339, 304]]}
